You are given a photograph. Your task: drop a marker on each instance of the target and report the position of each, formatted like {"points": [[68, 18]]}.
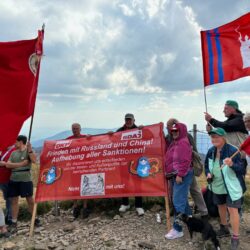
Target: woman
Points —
{"points": [[225, 176], [3, 229], [178, 164]]}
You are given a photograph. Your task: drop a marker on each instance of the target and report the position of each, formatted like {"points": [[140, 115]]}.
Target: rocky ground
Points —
{"points": [[102, 231]]}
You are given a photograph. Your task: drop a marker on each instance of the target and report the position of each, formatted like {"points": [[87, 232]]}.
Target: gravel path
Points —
{"points": [[126, 232]]}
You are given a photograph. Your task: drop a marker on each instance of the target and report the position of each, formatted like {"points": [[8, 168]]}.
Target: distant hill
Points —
{"points": [[67, 133]]}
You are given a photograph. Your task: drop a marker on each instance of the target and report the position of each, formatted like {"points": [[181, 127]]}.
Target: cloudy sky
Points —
{"points": [[104, 58]]}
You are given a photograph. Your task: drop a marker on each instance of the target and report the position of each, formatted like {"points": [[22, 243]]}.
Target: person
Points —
{"points": [[195, 190], [234, 125], [76, 134], [179, 167], [3, 229], [130, 124], [4, 179], [225, 176], [247, 125], [20, 180]]}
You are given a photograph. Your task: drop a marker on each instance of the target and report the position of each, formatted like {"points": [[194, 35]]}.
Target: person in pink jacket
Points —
{"points": [[179, 170]]}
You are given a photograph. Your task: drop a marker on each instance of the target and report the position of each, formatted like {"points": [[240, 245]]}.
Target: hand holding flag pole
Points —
{"points": [[245, 147]]}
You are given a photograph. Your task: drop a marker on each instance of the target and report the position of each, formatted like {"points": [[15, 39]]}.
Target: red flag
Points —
{"points": [[19, 73], [226, 51], [245, 146]]}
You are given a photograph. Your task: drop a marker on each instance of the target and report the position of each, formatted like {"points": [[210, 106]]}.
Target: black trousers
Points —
{"points": [[138, 202]]}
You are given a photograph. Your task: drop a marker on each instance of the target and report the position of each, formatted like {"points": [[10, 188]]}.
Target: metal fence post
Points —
{"points": [[195, 134]]}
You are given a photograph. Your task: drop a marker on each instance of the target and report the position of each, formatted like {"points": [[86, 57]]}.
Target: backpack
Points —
{"points": [[197, 164]]}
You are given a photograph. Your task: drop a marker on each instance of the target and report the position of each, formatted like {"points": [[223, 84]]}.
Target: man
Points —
{"points": [[130, 124], [20, 180], [4, 179], [195, 190], [76, 131], [234, 125]]}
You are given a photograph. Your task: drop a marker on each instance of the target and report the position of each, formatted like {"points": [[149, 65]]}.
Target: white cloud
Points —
{"points": [[105, 57]]}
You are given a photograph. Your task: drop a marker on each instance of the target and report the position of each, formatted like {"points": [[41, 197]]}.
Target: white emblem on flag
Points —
{"points": [[244, 49], [33, 63]]}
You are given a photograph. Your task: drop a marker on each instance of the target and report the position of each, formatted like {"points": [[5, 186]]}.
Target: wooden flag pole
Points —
{"points": [[167, 213], [231, 157], [33, 220], [168, 222], [205, 98], [34, 212]]}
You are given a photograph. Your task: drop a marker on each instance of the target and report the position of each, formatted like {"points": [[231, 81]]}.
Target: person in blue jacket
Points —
{"points": [[225, 178]]}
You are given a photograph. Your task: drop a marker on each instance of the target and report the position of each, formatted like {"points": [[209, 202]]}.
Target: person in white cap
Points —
{"points": [[130, 124]]}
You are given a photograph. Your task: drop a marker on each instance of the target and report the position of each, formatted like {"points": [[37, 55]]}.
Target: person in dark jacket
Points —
{"points": [[234, 125], [225, 175], [130, 124]]}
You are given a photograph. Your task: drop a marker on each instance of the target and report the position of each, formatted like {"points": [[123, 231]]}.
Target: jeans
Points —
{"points": [[180, 197], [4, 188], [138, 202]]}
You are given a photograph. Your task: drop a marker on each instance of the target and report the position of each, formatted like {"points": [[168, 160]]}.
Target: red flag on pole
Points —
{"points": [[245, 146], [226, 51], [19, 73]]}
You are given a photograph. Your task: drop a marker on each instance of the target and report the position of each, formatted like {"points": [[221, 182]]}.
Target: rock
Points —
{"points": [[65, 243], [94, 220], [69, 228], [52, 245], [117, 217], [9, 245], [146, 245], [23, 231], [40, 246], [156, 208]]}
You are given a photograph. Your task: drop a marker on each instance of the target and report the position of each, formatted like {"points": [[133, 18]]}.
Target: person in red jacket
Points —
{"points": [[4, 180], [179, 169]]}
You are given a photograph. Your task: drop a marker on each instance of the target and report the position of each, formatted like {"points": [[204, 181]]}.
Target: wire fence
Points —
{"points": [[201, 139]]}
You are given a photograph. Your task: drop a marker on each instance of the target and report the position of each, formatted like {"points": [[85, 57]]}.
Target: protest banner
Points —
{"points": [[128, 163], [122, 164]]}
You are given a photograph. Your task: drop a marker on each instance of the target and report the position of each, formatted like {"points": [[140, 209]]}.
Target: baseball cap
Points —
{"points": [[232, 103], [129, 116], [217, 131]]}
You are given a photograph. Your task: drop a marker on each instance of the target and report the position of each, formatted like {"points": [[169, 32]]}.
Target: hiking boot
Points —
{"points": [[85, 213], [76, 212], [37, 222], [140, 211], [223, 231], [174, 234], [234, 244], [124, 208], [13, 228], [8, 221], [5, 235]]}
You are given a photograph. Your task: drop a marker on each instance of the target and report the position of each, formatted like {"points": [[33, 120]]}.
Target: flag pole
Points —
{"points": [[34, 212], [205, 98]]}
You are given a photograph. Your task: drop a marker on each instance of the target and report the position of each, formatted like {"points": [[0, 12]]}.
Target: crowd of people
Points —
{"points": [[225, 174]]}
